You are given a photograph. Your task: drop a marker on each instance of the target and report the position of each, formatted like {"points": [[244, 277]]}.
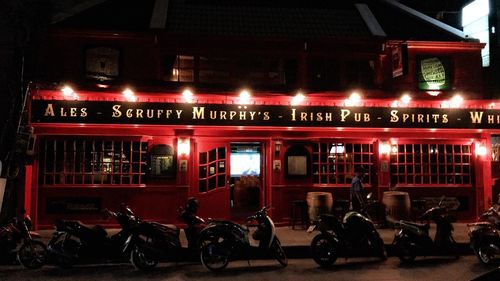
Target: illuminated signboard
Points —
{"points": [[433, 73], [475, 24]]}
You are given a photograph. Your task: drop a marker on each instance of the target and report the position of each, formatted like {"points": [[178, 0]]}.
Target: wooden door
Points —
{"points": [[211, 185]]}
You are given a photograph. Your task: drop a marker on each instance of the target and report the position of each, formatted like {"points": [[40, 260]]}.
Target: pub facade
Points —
{"points": [[241, 116]]}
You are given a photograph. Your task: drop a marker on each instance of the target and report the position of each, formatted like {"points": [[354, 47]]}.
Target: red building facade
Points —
{"points": [[154, 145]]}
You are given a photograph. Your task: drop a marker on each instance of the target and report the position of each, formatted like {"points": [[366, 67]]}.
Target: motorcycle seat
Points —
{"points": [[423, 226]]}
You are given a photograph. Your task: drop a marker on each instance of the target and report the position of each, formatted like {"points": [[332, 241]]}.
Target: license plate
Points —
{"points": [[311, 228]]}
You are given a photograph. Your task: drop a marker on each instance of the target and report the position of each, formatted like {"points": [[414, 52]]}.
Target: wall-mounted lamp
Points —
{"points": [[183, 147], [481, 149], [384, 148]]}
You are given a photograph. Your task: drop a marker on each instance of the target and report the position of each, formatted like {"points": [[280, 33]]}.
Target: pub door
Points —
{"points": [[211, 186]]}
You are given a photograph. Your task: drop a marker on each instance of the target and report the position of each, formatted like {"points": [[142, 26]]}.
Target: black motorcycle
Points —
{"points": [[352, 236], [151, 242], [413, 238], [17, 240], [485, 235], [221, 241], [73, 241]]}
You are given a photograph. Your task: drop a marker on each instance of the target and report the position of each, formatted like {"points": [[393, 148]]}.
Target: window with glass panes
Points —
{"points": [[424, 163], [78, 161], [335, 162], [212, 170]]}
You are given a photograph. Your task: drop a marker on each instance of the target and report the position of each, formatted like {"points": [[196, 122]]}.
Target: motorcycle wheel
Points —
{"points": [[484, 253], [32, 254], [214, 256], [65, 255], [407, 251], [140, 261], [279, 253], [378, 245], [323, 250]]}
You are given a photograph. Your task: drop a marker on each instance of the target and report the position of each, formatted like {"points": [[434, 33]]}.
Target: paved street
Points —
{"points": [[428, 269]]}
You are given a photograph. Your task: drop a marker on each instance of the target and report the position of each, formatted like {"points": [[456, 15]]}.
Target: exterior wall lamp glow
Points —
{"points": [[384, 148], [298, 99], [129, 95], [244, 97], [183, 147], [187, 95], [481, 149]]}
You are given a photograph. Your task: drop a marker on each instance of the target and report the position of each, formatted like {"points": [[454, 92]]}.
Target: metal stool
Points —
{"points": [[298, 213]]}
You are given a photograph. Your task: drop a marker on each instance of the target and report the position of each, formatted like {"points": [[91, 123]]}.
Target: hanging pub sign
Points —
{"points": [[157, 113], [434, 73]]}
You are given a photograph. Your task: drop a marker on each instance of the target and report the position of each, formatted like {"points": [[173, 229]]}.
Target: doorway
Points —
{"points": [[245, 178]]}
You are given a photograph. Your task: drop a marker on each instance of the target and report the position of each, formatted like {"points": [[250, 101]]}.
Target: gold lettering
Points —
{"points": [[179, 112], [293, 114], [49, 111], [420, 118], [72, 112], [266, 115], [445, 118], [168, 113], [150, 113], [476, 117], [116, 111], [223, 115], [328, 116], [232, 114], [343, 114], [83, 112], [357, 117], [319, 116], [394, 116], [198, 112], [159, 112], [405, 117], [435, 117], [367, 117], [139, 112], [213, 114], [243, 115], [252, 114], [63, 113], [303, 116], [129, 113]]}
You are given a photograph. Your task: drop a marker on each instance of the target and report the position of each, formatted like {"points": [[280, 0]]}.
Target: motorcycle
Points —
{"points": [[413, 238], [150, 242], [17, 239], [74, 241], [485, 236], [349, 237], [221, 241]]}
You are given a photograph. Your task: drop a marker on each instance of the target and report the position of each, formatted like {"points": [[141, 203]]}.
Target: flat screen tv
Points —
{"points": [[245, 164]]}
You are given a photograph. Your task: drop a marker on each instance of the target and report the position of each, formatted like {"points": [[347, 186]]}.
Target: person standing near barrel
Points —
{"points": [[356, 200]]}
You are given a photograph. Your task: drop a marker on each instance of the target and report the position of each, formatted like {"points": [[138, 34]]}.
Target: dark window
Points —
{"points": [[212, 171], [72, 161], [431, 164], [335, 162]]}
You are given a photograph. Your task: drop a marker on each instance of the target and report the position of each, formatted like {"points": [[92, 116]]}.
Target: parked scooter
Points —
{"points": [[17, 239], [222, 241], [73, 241], [350, 237], [151, 242], [485, 234], [413, 238]]}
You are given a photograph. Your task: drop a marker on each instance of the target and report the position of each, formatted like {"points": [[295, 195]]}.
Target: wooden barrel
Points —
{"points": [[397, 204], [319, 203]]}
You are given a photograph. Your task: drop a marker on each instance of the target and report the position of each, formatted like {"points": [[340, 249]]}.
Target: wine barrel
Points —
{"points": [[397, 204], [319, 203]]}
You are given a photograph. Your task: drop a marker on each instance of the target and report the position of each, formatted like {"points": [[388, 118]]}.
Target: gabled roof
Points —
{"points": [[287, 19]]}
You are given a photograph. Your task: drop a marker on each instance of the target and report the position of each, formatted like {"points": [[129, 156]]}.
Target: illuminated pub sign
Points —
{"points": [[434, 73], [156, 113]]}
